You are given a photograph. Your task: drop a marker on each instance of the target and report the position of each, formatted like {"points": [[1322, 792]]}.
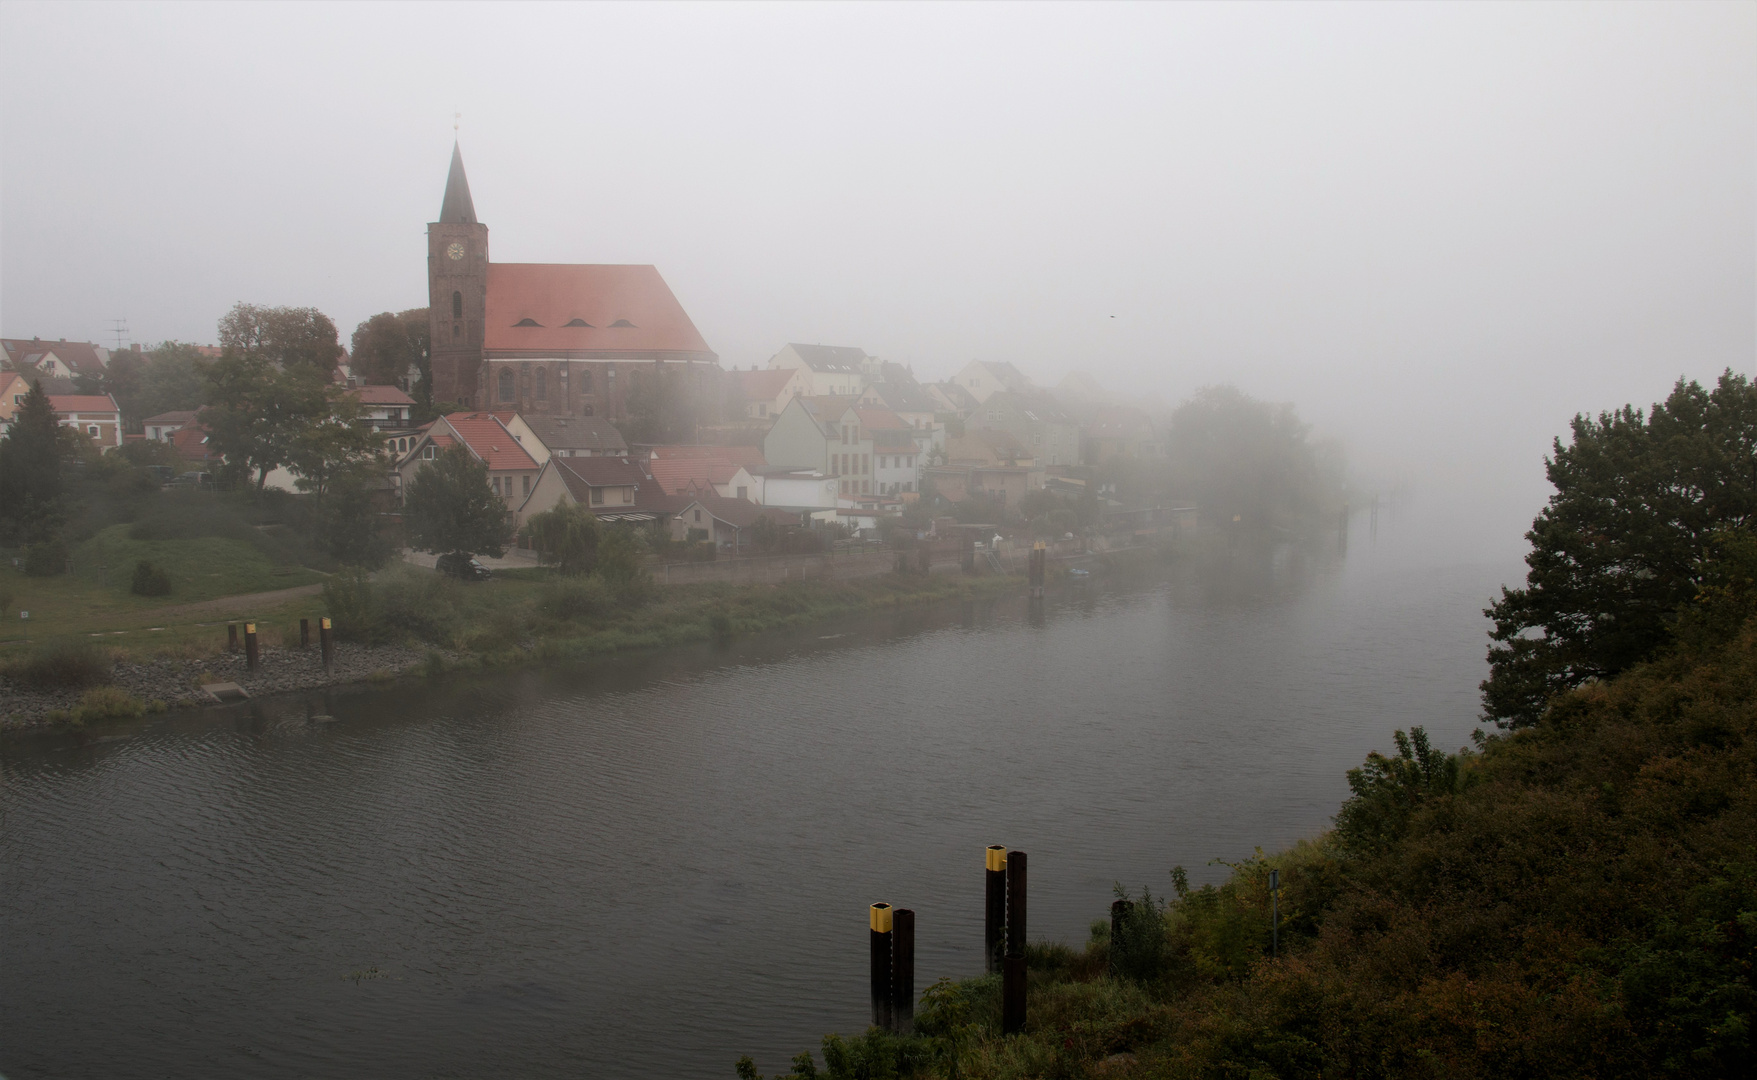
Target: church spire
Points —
{"points": [[457, 208]]}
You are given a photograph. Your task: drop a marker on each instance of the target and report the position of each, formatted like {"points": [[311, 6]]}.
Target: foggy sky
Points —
{"points": [[1439, 231]]}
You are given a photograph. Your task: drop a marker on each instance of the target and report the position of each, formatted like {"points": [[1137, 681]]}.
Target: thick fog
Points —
{"points": [[1438, 230]]}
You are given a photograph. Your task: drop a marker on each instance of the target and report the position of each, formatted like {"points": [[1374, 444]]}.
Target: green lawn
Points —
{"points": [[204, 568]]}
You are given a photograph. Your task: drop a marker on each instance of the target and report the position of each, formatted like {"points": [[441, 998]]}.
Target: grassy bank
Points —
{"points": [[1572, 900]]}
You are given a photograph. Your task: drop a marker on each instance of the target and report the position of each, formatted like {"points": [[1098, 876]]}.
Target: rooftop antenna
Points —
{"points": [[119, 328], [456, 119]]}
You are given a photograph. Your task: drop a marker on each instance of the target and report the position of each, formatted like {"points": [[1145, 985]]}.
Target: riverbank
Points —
{"points": [[413, 624], [1569, 900]]}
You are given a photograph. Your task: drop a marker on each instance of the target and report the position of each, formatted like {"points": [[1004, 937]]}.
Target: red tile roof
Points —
{"points": [[880, 419], [81, 356], [601, 471], [176, 416], [65, 403], [625, 309], [381, 395], [677, 473], [490, 441], [763, 385], [191, 443], [741, 514]]}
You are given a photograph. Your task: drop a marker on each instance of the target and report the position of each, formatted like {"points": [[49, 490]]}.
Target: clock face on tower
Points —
{"points": [[456, 251]]}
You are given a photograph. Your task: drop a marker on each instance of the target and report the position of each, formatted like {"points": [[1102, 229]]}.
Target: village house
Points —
{"points": [[766, 393], [823, 433], [511, 469], [61, 359], [827, 370], [93, 415], [897, 390], [577, 436], [729, 523], [1037, 420], [985, 378], [522, 433], [160, 428], [895, 453], [687, 470], [950, 399], [612, 488], [383, 408]]}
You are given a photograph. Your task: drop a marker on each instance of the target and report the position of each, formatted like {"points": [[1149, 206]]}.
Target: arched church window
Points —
{"points": [[506, 387], [542, 384], [457, 305]]}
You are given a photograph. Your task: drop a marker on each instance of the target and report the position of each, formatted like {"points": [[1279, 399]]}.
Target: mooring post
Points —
{"points": [[325, 642], [304, 633], [250, 653], [1013, 965], [1274, 913], [994, 922], [231, 637], [903, 970], [1119, 916], [879, 917]]}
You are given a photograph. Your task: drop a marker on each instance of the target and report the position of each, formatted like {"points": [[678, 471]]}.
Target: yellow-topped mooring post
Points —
{"points": [[994, 921], [250, 653], [879, 916], [326, 642]]}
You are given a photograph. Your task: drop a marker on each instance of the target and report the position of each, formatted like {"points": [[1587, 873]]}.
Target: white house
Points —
{"points": [[840, 370]]}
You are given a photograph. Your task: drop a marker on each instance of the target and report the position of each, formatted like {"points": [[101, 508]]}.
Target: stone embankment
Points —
{"points": [[178, 682]]}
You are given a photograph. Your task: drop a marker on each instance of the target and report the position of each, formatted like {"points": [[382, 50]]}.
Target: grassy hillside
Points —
{"points": [[1574, 900]]}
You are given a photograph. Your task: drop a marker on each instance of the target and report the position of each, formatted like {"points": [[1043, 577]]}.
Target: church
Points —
{"points": [[560, 339]]}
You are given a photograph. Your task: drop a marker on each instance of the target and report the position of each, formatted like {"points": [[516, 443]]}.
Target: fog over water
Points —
{"points": [[1439, 230]]}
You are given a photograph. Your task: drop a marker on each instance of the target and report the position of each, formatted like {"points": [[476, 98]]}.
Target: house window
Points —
{"points": [[457, 305], [542, 385], [506, 386], [762, 410], [427, 452], [92, 430], [743, 492], [527, 480], [844, 436], [866, 487], [698, 516], [597, 496], [628, 495]]}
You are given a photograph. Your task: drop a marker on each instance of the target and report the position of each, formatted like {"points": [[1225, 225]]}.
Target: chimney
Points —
{"points": [[134, 347]]}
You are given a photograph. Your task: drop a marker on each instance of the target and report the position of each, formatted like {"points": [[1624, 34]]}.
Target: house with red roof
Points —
{"points": [[191, 444], [382, 407], [61, 359], [686, 470], [94, 415], [729, 523], [824, 433], [160, 428], [766, 393], [512, 471], [612, 488], [548, 338]]}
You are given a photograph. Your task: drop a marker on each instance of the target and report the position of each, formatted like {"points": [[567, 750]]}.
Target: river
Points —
{"points": [[649, 866]]}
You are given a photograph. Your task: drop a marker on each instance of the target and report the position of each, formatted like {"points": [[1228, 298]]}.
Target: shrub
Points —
{"points": [[576, 599], [720, 626], [46, 559], [108, 703], [410, 602], [150, 580], [65, 664], [348, 599]]}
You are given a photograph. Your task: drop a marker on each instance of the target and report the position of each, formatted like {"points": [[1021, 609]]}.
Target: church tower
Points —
{"points": [[457, 289]]}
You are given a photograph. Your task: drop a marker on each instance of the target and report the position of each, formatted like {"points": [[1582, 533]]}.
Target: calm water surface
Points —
{"points": [[650, 867]]}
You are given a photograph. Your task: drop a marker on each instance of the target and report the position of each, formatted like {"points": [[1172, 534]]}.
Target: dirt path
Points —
{"points": [[230, 604]]}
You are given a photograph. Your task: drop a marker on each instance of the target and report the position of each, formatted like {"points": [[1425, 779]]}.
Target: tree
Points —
{"points": [[350, 523], [332, 444], [172, 379], [1622, 543], [30, 472], [566, 537], [449, 507], [286, 337], [385, 346], [256, 413], [1234, 455]]}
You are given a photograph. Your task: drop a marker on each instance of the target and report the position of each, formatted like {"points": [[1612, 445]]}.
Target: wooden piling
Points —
{"points": [[879, 919], [251, 656], [994, 922], [304, 633], [1013, 965], [903, 970], [231, 637], [325, 640]]}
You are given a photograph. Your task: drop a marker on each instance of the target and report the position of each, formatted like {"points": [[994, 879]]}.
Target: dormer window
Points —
{"points": [[622, 322], [579, 322], [527, 322]]}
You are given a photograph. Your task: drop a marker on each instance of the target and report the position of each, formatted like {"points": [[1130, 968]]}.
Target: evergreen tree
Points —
{"points": [[30, 472]]}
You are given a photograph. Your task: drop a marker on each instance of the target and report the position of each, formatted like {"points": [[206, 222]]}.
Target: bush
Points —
{"points": [[576, 598], [410, 602], [150, 580], [108, 703], [348, 599], [46, 559], [65, 664]]}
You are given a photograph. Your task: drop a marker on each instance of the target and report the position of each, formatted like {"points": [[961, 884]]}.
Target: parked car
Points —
{"points": [[463, 567]]}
